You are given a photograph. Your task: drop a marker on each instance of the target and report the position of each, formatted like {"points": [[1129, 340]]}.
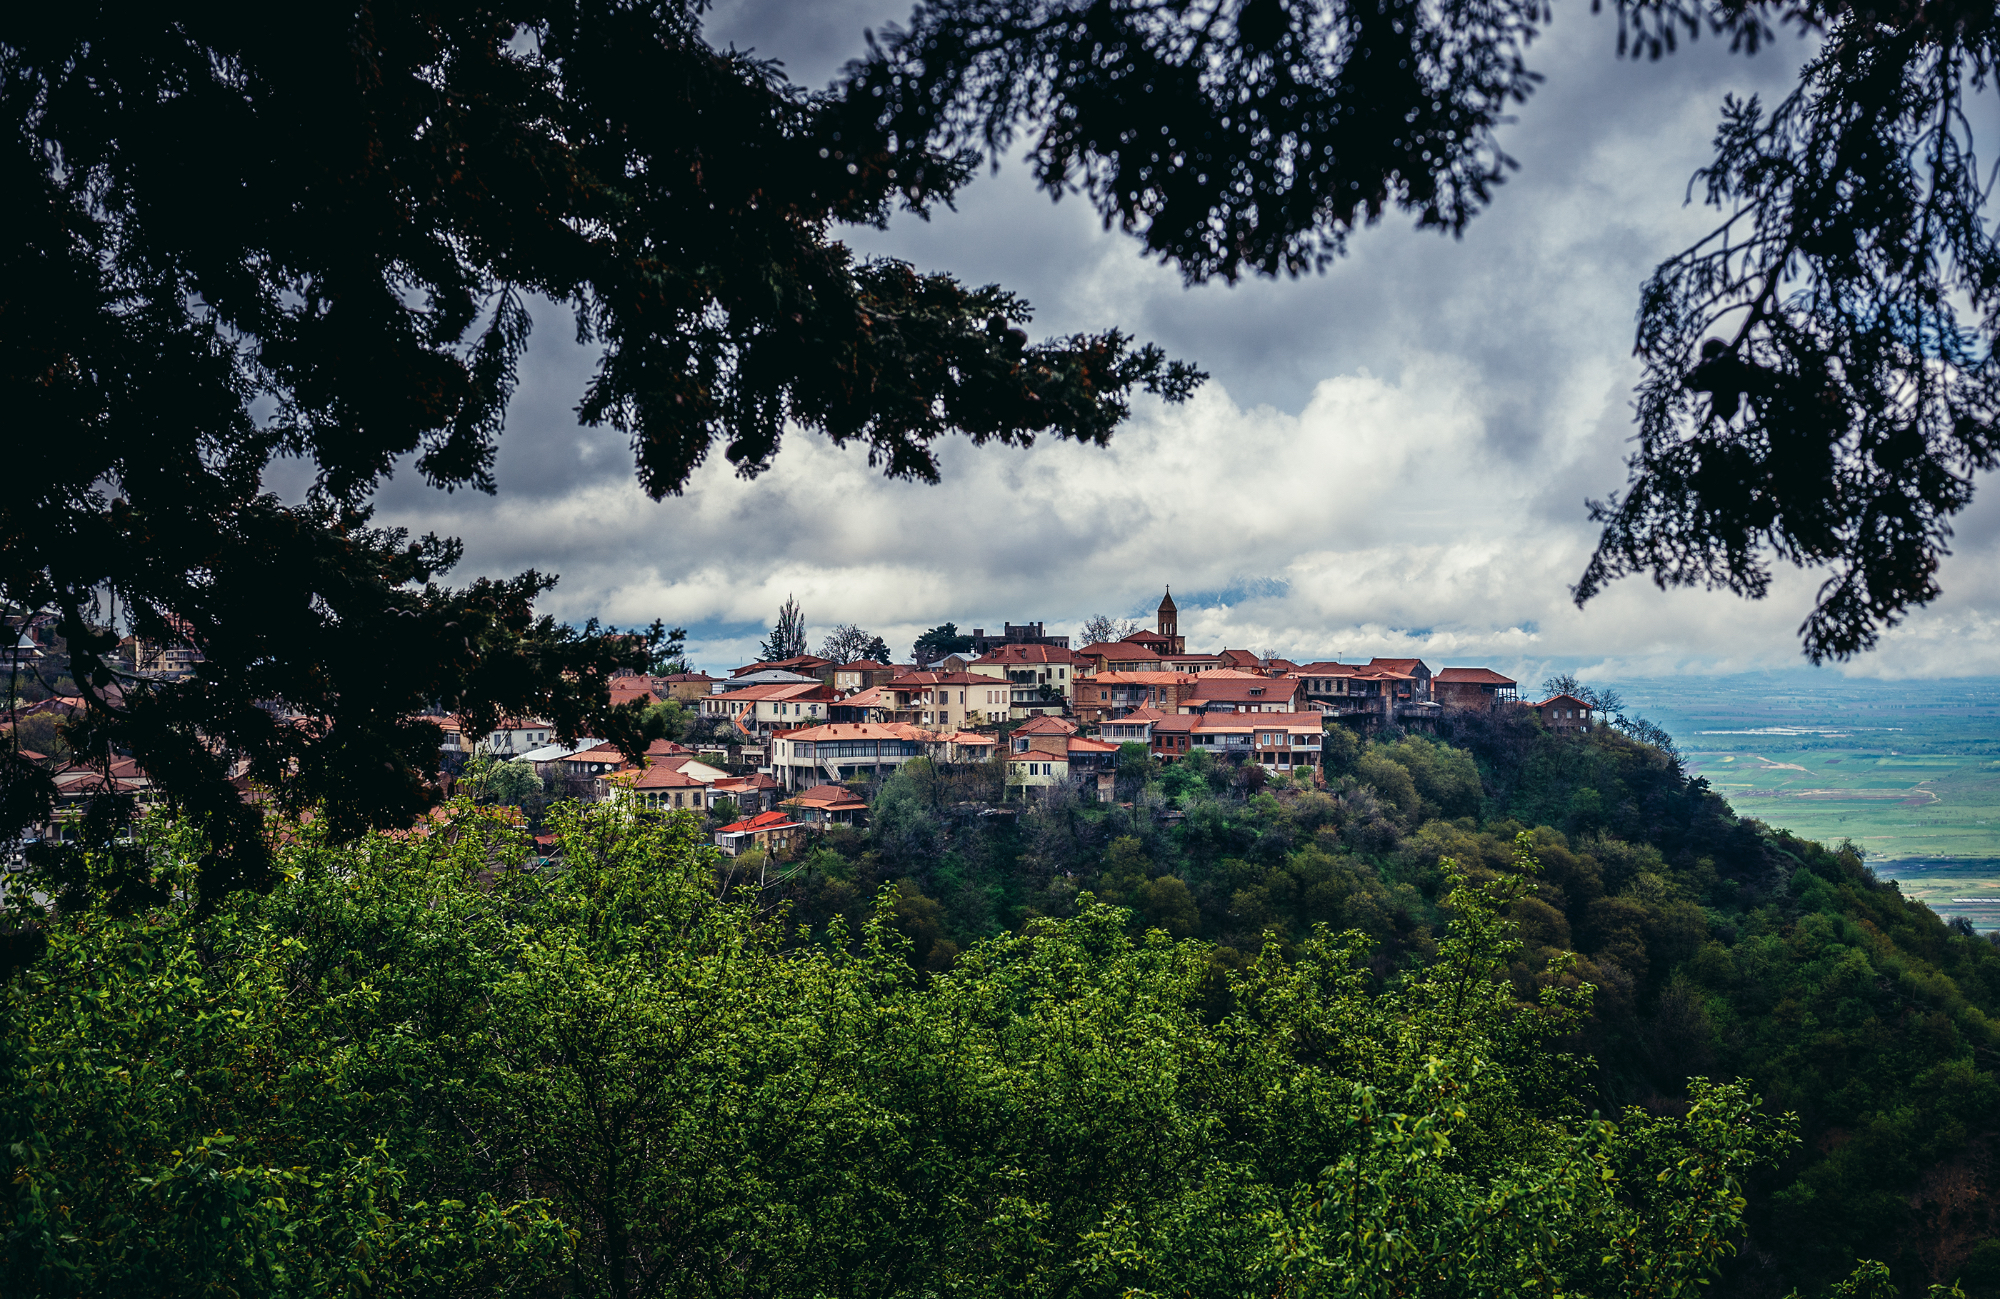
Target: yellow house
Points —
{"points": [[1035, 772]]}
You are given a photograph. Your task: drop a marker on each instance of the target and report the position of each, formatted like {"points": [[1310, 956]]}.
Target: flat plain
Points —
{"points": [[1908, 771]]}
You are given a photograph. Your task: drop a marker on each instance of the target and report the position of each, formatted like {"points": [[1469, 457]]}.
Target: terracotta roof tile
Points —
{"points": [[1474, 676]]}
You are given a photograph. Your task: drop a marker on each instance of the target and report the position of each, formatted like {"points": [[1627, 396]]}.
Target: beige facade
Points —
{"points": [[757, 711], [1040, 678]]}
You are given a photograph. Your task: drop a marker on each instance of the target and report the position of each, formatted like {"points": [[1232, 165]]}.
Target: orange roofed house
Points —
{"points": [[769, 831], [757, 711], [1027, 679], [827, 805], [1286, 741], [841, 751], [939, 699], [1108, 695], [1227, 692], [1476, 688]]}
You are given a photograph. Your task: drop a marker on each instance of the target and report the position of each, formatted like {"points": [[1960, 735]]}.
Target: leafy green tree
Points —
{"points": [[414, 1067], [669, 719], [671, 657], [382, 192], [940, 642], [1845, 346]]}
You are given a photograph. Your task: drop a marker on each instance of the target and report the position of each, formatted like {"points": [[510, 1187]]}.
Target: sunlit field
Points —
{"points": [[1909, 771]]}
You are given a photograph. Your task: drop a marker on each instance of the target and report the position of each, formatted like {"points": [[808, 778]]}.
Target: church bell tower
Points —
{"points": [[1168, 624]]}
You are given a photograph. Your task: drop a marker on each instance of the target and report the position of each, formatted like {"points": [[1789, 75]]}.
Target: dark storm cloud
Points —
{"points": [[1391, 457]]}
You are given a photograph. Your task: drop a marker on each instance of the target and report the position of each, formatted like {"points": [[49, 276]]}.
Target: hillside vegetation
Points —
{"points": [[1713, 945], [1496, 1012]]}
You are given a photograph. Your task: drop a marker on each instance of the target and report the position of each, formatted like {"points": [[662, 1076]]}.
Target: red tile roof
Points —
{"points": [[1083, 744], [1124, 651], [1474, 676], [1314, 722], [928, 680], [1030, 654], [625, 690], [1397, 665], [663, 776], [780, 690], [761, 821], [805, 664], [831, 797], [761, 780], [1046, 725], [853, 731], [1245, 690]]}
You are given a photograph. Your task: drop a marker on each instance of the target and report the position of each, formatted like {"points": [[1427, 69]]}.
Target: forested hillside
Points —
{"points": [[1440, 1029], [1715, 947]]}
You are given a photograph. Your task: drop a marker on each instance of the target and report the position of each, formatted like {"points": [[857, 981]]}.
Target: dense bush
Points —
{"points": [[417, 1068], [1712, 945]]}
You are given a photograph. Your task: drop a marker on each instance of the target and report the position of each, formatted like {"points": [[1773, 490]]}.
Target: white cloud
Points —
{"points": [[1392, 458]]}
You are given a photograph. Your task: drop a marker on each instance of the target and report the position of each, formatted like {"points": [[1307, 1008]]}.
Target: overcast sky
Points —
{"points": [[1391, 458]]}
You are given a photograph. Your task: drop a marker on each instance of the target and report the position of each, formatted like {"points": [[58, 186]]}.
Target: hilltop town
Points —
{"points": [[795, 743]]}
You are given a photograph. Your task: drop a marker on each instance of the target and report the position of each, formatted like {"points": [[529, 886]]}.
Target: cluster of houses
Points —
{"points": [[800, 731], [789, 739]]}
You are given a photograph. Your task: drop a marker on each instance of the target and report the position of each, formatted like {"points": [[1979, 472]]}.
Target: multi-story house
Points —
{"points": [[941, 699], [863, 674], [757, 711], [1108, 695], [842, 751], [876, 704], [1135, 727], [1325, 685], [1035, 772], [512, 738], [1040, 678], [1048, 734], [1419, 689], [1475, 688], [1230, 692], [1126, 655], [1285, 741]]}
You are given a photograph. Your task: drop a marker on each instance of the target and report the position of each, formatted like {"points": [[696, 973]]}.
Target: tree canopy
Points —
{"points": [[314, 235], [1840, 320], [418, 1067]]}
